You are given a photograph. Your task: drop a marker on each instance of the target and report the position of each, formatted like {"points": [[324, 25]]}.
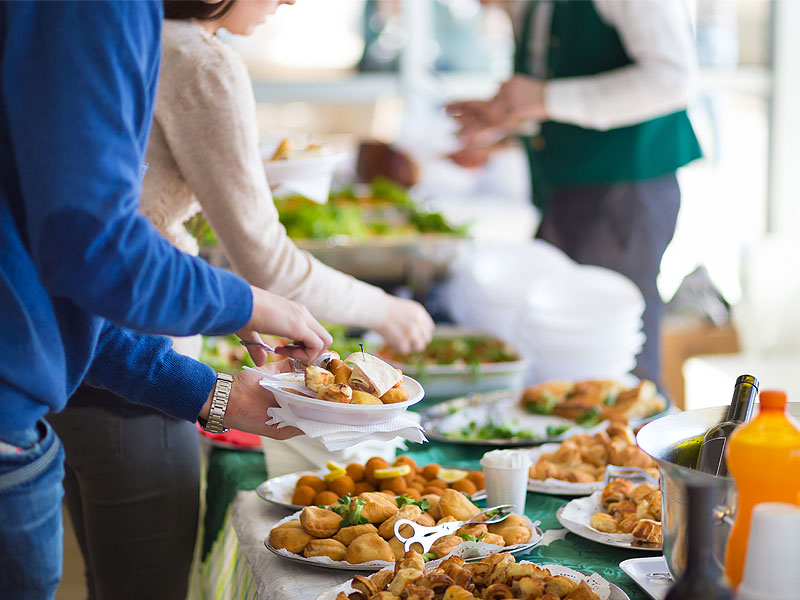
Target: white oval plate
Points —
{"points": [[339, 413], [618, 540], [469, 551], [603, 588]]}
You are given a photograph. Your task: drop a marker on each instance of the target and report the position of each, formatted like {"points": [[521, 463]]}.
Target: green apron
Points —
{"points": [[564, 155]]}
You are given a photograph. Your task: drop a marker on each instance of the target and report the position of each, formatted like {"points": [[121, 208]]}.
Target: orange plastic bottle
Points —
{"points": [[764, 459]]}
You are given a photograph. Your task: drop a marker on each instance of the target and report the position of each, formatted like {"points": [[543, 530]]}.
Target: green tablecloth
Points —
{"points": [[232, 470]]}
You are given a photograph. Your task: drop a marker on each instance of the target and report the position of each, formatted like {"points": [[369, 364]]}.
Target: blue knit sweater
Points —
{"points": [[79, 268]]}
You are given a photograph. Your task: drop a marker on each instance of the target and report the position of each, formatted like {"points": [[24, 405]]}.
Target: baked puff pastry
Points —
{"points": [[320, 522], [604, 523], [328, 547], [317, 377], [368, 547], [336, 392], [379, 507], [647, 533], [455, 504], [403, 579], [456, 592]]}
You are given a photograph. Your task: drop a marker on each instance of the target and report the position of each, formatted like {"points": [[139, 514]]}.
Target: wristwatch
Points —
{"points": [[219, 404]]}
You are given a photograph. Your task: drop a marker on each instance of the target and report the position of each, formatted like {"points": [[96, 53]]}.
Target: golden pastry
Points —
{"points": [[426, 520], [328, 547], [320, 522], [455, 504], [419, 592], [445, 545], [615, 491], [456, 592], [412, 512], [368, 547], [398, 548], [627, 523], [412, 560], [379, 507], [497, 591], [316, 378], [473, 529], [360, 397], [382, 578], [284, 149], [641, 491], [515, 535], [347, 534], [434, 509], [623, 507], [512, 520], [384, 596], [494, 538], [403, 579], [559, 585], [341, 372], [293, 539], [364, 585], [395, 395], [604, 523], [528, 588], [336, 392], [647, 533], [581, 592]]}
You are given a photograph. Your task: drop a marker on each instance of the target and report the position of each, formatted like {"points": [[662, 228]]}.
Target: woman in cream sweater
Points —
{"points": [[132, 480]]}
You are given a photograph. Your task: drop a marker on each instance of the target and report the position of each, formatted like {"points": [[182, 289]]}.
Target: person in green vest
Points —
{"points": [[598, 101]]}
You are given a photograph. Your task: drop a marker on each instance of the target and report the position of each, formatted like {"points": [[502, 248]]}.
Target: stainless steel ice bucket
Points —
{"points": [[674, 442]]}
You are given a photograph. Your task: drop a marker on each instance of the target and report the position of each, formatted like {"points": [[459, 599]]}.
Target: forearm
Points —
{"points": [[145, 370]]}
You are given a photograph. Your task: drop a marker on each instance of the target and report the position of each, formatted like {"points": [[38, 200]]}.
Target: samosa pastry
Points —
{"points": [[379, 507], [455, 504], [329, 547], [347, 534], [293, 539], [369, 547], [320, 522]]}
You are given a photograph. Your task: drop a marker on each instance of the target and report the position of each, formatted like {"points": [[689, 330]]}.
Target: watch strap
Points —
{"points": [[219, 405]]}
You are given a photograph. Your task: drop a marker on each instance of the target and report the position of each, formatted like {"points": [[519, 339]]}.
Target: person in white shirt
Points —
{"points": [[598, 100]]}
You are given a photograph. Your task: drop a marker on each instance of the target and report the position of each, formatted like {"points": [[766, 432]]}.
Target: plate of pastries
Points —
{"points": [[624, 514], [359, 390], [359, 532], [577, 466], [325, 487], [493, 578]]}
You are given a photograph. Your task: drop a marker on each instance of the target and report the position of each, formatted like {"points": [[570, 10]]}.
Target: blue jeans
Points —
{"points": [[31, 532]]}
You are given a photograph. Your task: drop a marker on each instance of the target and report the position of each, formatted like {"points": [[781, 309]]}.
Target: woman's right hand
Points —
{"points": [[407, 327], [276, 315]]}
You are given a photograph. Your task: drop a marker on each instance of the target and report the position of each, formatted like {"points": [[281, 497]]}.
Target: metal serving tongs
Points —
{"points": [[426, 536], [633, 474]]}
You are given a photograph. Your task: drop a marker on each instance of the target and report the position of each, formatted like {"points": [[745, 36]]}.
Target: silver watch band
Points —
{"points": [[219, 404]]}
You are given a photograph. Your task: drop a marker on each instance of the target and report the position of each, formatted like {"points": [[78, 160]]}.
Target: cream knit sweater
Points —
{"points": [[203, 154]]}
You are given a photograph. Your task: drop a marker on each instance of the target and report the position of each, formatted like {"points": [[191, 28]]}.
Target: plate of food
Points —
{"points": [[496, 576], [623, 514], [577, 466], [287, 162], [548, 412], [359, 532], [326, 487], [359, 390], [459, 361]]}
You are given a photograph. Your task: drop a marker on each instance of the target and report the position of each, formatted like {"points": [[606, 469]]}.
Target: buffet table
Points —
{"points": [[236, 564]]}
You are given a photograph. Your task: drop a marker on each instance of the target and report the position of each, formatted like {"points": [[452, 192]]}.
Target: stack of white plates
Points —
{"points": [[581, 323]]}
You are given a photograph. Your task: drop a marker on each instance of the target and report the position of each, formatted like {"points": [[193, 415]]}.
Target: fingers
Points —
{"points": [[282, 433], [259, 355], [281, 366]]}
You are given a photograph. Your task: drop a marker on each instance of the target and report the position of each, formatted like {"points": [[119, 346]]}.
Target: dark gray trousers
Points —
{"points": [[625, 227], [132, 488]]}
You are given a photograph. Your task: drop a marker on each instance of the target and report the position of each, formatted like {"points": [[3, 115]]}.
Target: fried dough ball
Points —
{"points": [[395, 395], [320, 522], [455, 504], [413, 493], [360, 397], [465, 485], [372, 465], [434, 510], [426, 520], [445, 545], [341, 372], [355, 471], [293, 539], [312, 481], [328, 547], [379, 507], [395, 484], [478, 479], [429, 472], [303, 495], [363, 486], [429, 490], [406, 460], [415, 485], [347, 534], [342, 486], [412, 512], [438, 483], [367, 547], [326, 498]]}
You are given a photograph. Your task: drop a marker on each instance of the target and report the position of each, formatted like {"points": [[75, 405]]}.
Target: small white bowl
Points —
{"points": [[315, 409]]}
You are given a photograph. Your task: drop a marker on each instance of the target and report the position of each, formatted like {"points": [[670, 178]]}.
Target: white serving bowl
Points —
{"points": [[315, 409]]}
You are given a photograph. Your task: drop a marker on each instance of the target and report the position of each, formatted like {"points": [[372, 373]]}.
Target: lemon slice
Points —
{"points": [[398, 471], [334, 474], [334, 467], [451, 475]]}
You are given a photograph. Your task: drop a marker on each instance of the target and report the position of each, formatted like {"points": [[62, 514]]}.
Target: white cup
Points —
{"points": [[773, 547], [506, 474]]}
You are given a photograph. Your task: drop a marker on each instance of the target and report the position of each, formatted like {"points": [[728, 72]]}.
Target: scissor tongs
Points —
{"points": [[426, 536], [634, 474]]}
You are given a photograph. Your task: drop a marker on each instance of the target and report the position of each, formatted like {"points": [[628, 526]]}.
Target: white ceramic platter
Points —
{"points": [[650, 573]]}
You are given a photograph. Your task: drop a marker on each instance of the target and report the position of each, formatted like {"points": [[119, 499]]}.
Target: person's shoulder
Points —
{"points": [[190, 54]]}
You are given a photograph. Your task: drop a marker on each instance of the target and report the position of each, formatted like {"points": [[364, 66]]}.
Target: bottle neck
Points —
{"points": [[744, 398]]}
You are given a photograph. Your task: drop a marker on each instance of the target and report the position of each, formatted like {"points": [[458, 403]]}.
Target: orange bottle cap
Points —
{"points": [[772, 400]]}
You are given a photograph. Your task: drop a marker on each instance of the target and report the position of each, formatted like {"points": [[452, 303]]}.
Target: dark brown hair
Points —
{"points": [[196, 9]]}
